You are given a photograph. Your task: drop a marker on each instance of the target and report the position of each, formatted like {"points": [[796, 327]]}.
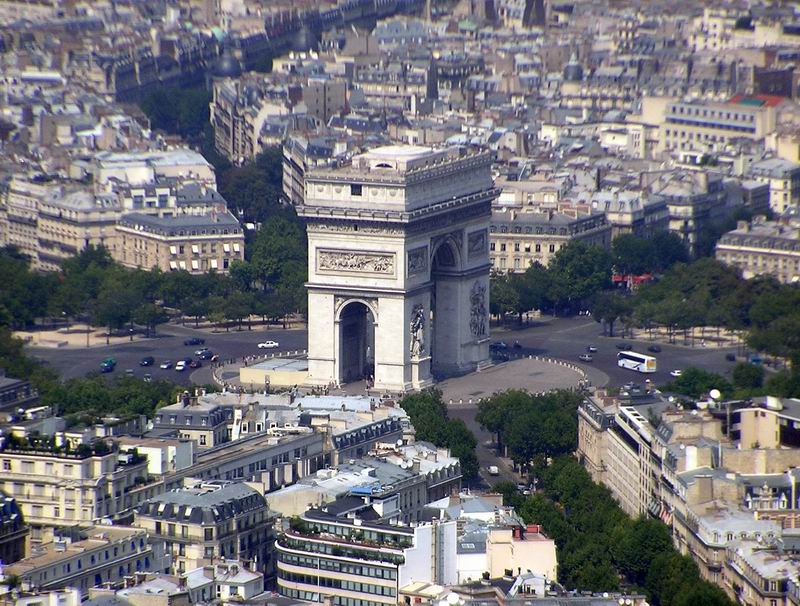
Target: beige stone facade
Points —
{"points": [[763, 247], [54, 489], [194, 243], [210, 523], [519, 239]]}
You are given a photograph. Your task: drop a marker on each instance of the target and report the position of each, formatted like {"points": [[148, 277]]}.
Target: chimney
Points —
{"points": [[415, 466], [742, 226]]}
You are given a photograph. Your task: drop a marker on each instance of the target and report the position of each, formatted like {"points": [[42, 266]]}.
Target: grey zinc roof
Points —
{"points": [[203, 506]]}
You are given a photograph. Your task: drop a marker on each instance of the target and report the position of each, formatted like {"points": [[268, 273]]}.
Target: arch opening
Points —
{"points": [[356, 342]]}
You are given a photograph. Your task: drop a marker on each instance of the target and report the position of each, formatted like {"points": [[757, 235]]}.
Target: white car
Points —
{"points": [[166, 364], [675, 373], [180, 365], [268, 345]]}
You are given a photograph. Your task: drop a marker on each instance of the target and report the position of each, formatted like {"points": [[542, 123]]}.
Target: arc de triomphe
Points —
{"points": [[398, 271]]}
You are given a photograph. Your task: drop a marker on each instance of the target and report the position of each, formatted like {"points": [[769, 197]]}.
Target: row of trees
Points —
{"points": [[428, 415], [578, 273], [92, 286], [602, 549], [532, 426]]}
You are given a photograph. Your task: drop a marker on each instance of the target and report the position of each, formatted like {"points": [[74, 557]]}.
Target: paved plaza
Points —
{"points": [[531, 374]]}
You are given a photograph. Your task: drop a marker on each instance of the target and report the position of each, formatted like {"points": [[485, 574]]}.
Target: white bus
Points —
{"points": [[636, 361]]}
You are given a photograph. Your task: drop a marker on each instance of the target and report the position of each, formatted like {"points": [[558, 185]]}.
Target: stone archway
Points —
{"points": [[444, 306], [356, 330]]}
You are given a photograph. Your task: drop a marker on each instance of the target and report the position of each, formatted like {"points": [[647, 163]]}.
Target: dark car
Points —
{"points": [[205, 355], [624, 347], [194, 341], [517, 345], [585, 357], [499, 356], [147, 361], [195, 364], [730, 357], [654, 349], [499, 345]]}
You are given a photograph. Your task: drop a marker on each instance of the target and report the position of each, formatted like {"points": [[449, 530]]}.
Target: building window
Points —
{"points": [[202, 440], [491, 246], [6, 465], [208, 534], [208, 552], [355, 189], [552, 248], [502, 248]]}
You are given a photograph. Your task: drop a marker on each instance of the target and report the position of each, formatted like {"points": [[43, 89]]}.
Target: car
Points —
{"points": [[194, 341], [517, 345], [166, 364], [200, 351], [624, 347], [499, 345], [195, 364], [148, 378], [730, 357], [268, 345], [675, 373], [521, 487], [586, 357], [499, 356], [180, 366], [205, 355], [494, 470], [654, 349], [591, 349], [106, 369], [129, 372], [108, 365], [147, 361]]}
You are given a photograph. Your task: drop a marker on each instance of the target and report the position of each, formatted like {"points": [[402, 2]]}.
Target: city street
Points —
{"points": [[564, 338], [168, 345], [567, 338]]}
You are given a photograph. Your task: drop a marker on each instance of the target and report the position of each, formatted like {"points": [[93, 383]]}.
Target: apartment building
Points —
{"points": [[193, 243], [702, 128], [632, 212], [191, 418], [325, 97], [16, 393], [58, 486], [301, 154], [783, 178], [756, 573], [519, 239], [13, 531], [354, 562], [82, 557], [762, 247], [696, 200], [50, 221], [208, 523]]}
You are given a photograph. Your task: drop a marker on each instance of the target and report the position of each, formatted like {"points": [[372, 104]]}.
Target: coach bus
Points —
{"points": [[636, 361]]}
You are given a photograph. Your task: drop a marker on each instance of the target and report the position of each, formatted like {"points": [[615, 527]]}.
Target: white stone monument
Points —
{"points": [[398, 286]]}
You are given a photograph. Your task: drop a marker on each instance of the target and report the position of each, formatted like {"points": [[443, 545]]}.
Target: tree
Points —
{"points": [[532, 287], [644, 541], [278, 254], [696, 383], [150, 315], [632, 255], [255, 189], [669, 575], [578, 271], [428, 415], [781, 337], [668, 249], [504, 297], [608, 307], [748, 376]]}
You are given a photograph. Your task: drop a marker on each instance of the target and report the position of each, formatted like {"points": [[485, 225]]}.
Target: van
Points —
{"points": [[493, 470]]}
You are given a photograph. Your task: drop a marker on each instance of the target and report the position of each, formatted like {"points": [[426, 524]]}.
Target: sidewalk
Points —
{"points": [[74, 337]]}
